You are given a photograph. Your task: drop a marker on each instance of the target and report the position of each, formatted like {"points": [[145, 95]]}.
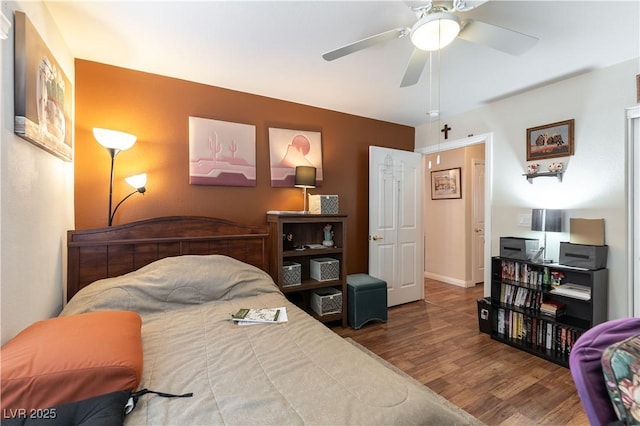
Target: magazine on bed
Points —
{"points": [[260, 315]]}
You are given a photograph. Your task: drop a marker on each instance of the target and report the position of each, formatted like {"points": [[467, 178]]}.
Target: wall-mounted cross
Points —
{"points": [[445, 130]]}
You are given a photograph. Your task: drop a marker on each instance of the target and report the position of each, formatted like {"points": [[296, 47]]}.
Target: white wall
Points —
{"points": [[594, 182], [36, 199]]}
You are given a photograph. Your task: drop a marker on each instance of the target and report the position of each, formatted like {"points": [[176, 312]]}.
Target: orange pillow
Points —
{"points": [[67, 359]]}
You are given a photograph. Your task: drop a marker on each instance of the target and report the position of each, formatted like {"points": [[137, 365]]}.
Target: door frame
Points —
{"points": [[487, 139], [633, 212], [474, 234]]}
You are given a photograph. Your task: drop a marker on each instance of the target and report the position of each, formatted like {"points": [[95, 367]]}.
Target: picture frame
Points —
{"points": [[43, 95], [446, 184], [221, 153], [550, 140], [290, 148]]}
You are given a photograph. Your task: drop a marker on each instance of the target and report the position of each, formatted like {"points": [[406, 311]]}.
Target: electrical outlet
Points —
{"points": [[524, 220]]}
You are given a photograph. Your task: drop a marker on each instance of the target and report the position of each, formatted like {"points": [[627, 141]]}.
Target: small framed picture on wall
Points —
{"points": [[446, 184], [550, 140]]}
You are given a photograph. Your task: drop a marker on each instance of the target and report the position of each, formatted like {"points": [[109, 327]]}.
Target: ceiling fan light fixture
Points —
{"points": [[435, 31]]}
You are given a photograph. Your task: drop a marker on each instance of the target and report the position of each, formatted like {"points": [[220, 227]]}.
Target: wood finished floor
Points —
{"points": [[437, 342]]}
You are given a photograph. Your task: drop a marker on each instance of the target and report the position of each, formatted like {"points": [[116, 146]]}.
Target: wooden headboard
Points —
{"points": [[94, 254]]}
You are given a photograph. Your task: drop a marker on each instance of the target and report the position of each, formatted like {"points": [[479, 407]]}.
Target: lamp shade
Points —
{"points": [[548, 220], [113, 139], [137, 181], [305, 177], [435, 31]]}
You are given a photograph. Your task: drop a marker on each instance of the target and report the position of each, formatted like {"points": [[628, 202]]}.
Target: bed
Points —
{"points": [[184, 277]]}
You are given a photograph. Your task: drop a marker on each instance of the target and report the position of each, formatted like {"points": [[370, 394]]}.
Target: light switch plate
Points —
{"points": [[524, 220]]}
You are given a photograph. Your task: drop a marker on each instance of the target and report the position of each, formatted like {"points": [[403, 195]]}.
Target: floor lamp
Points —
{"points": [[115, 141], [547, 220], [139, 183]]}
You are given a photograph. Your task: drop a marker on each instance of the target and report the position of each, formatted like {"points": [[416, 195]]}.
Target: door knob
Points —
{"points": [[376, 238], [478, 229]]}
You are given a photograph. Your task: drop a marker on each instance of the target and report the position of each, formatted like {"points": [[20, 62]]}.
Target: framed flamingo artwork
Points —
{"points": [[291, 148]]}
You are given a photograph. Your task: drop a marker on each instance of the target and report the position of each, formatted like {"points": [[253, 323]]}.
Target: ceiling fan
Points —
{"points": [[438, 25]]}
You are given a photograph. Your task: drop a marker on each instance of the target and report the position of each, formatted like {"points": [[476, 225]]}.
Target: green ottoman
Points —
{"points": [[367, 299]]}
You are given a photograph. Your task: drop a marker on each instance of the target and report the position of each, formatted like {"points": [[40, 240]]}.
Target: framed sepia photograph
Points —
{"points": [[550, 141], [446, 184]]}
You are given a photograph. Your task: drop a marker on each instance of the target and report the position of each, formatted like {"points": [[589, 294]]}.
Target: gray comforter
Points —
{"points": [[298, 372]]}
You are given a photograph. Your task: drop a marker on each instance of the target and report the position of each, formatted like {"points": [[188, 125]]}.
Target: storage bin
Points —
{"points": [[366, 299], [324, 269], [583, 255], [326, 301], [518, 248], [484, 315], [291, 274], [323, 204]]}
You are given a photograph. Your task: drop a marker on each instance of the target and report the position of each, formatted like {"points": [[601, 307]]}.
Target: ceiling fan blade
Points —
{"points": [[418, 4], [417, 63], [467, 5], [503, 39], [364, 43], [450, 5]]}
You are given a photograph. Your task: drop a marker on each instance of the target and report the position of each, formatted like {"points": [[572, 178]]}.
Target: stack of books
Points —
{"points": [[573, 290], [552, 308], [247, 316]]}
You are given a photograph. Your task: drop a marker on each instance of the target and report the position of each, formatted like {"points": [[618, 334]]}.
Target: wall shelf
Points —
{"points": [[532, 176]]}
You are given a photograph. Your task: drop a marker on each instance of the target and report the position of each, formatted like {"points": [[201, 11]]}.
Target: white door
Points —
{"points": [[477, 237], [395, 222]]}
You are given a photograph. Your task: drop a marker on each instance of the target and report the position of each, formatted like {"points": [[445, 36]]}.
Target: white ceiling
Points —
{"points": [[274, 49]]}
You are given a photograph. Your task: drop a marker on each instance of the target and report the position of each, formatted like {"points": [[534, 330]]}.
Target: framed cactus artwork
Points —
{"points": [[43, 95], [221, 153]]}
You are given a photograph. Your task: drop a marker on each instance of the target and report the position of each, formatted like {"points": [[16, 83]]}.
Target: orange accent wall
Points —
{"points": [[156, 109]]}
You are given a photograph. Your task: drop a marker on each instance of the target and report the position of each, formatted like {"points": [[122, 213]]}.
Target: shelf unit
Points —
{"points": [[531, 176], [306, 229], [517, 289]]}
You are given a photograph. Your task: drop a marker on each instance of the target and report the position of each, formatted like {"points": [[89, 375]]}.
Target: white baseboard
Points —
{"points": [[449, 280]]}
